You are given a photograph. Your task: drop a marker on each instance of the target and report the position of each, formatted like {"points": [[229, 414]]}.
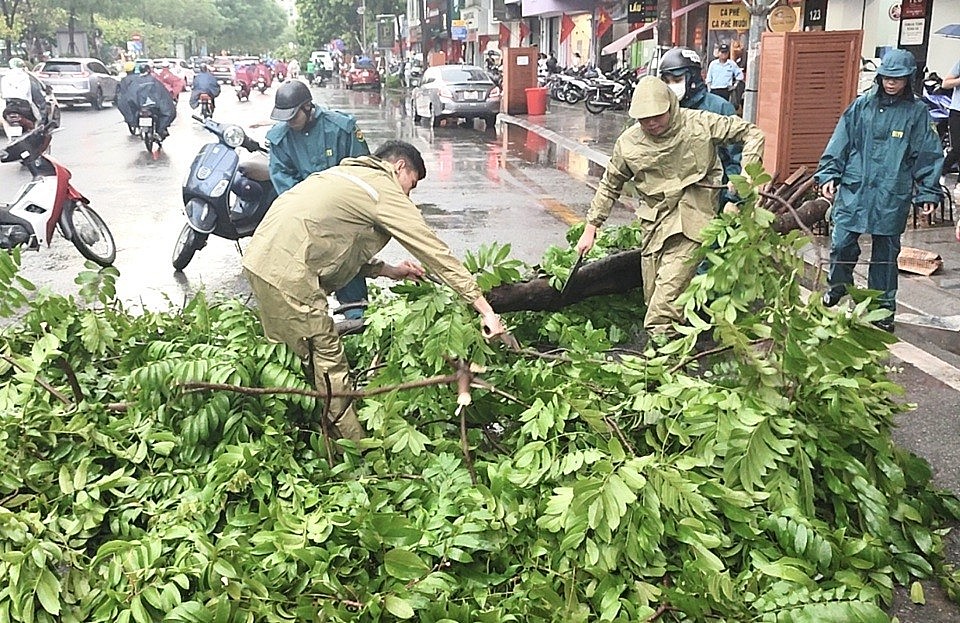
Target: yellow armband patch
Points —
{"points": [[359, 135]]}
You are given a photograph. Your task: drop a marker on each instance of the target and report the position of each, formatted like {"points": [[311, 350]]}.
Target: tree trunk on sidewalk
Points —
{"points": [[614, 274], [759, 11]]}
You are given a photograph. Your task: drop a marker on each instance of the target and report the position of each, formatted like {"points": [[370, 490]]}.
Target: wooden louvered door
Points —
{"points": [[807, 80]]}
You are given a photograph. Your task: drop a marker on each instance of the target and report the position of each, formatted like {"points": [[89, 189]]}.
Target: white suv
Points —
{"points": [[323, 63], [178, 66]]}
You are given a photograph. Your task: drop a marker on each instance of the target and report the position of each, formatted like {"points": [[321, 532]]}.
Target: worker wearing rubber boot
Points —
{"points": [[322, 233], [671, 154]]}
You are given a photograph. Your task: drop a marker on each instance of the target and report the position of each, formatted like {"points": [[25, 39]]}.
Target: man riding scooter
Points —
{"points": [[26, 101], [204, 82], [145, 91], [174, 83]]}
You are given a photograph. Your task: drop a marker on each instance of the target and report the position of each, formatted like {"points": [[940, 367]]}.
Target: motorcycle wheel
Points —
{"points": [[133, 130], [572, 95], [148, 139], [413, 108], [594, 105], [91, 235], [188, 243]]}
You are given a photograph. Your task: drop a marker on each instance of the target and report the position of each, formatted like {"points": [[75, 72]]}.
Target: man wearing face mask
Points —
{"points": [[308, 139], [671, 155], [324, 232], [681, 69]]}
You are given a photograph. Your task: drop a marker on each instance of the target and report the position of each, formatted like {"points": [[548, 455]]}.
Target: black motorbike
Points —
{"points": [[222, 196], [148, 125], [612, 94]]}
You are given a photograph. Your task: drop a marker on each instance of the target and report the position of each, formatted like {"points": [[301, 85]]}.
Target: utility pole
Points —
{"points": [[759, 12], [664, 23], [363, 25]]}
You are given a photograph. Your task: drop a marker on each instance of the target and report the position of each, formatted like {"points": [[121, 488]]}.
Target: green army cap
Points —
{"points": [[651, 98]]}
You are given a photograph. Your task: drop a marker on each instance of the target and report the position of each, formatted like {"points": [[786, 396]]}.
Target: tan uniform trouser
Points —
{"points": [[666, 274], [310, 332]]}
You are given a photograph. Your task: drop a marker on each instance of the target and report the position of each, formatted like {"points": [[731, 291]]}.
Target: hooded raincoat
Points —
{"points": [[145, 90], [730, 153], [328, 139], [317, 237], [670, 171], [883, 156]]}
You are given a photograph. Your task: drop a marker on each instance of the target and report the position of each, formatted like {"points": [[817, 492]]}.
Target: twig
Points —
{"points": [[40, 381], [64, 365], [481, 384], [711, 351], [662, 610], [619, 433], [465, 444]]}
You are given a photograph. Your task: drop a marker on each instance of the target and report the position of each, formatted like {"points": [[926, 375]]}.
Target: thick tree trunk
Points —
{"points": [[613, 274]]}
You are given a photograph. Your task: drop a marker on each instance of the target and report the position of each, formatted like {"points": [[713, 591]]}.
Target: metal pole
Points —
{"points": [[363, 24]]}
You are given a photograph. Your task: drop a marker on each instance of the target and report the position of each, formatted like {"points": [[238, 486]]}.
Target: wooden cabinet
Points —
{"points": [[807, 80], [519, 74]]}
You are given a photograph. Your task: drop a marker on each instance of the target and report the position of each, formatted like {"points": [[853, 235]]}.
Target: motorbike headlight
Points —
{"points": [[233, 136], [220, 188]]}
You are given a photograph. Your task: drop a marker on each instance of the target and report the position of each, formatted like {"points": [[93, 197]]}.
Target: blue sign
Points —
{"points": [[458, 32]]}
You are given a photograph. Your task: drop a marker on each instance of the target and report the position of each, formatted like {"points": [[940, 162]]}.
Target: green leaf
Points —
{"points": [[48, 592], [404, 564], [916, 593], [398, 607]]}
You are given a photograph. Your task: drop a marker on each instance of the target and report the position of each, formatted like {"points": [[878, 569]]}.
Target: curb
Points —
{"points": [[597, 157]]}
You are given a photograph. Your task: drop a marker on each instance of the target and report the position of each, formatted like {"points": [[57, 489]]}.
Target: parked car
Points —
{"points": [[362, 73], [324, 64], [222, 69], [456, 91], [178, 66], [79, 81]]}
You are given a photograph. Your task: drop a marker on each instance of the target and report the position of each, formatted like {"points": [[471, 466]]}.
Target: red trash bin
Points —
{"points": [[536, 101]]}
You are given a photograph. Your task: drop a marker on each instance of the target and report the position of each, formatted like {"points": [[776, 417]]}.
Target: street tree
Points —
{"points": [[323, 21], [10, 29], [250, 25]]}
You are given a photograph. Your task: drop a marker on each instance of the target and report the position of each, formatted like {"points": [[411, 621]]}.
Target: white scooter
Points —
{"points": [[48, 202]]}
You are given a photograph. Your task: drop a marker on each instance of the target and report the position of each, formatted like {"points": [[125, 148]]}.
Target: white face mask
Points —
{"points": [[679, 89]]}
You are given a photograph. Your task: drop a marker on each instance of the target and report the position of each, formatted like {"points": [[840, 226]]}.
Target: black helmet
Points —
{"points": [[684, 63], [290, 97], [676, 61]]}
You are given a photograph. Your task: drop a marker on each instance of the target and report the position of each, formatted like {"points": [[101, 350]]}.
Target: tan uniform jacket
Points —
{"points": [[324, 231], [667, 170]]}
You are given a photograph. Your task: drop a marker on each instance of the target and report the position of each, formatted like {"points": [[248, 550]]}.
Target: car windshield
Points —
{"points": [[464, 74], [62, 67], [365, 65]]}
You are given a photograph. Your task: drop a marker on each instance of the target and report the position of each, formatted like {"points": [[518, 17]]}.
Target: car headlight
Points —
{"points": [[233, 136]]}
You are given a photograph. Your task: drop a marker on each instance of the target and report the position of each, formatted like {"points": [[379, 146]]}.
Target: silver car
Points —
{"points": [[79, 81], [454, 91]]}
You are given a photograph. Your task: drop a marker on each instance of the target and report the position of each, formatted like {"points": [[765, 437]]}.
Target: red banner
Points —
{"points": [[524, 31], [604, 22], [504, 35], [566, 27]]}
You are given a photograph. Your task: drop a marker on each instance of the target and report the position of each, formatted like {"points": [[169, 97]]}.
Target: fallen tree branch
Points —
{"points": [[42, 382]]}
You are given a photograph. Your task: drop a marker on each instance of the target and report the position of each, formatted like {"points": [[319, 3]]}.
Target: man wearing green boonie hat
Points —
{"points": [[671, 155]]}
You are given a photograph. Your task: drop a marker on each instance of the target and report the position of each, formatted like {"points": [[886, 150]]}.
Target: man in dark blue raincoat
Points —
{"points": [[883, 157], [309, 139]]}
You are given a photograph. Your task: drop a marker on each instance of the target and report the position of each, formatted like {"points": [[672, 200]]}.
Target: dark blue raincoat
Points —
{"points": [[883, 156]]}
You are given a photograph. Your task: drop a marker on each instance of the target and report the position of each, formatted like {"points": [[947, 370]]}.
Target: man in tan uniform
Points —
{"points": [[325, 231], [671, 154]]}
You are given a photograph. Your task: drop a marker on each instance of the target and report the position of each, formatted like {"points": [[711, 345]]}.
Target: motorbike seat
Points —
{"points": [[256, 170]]}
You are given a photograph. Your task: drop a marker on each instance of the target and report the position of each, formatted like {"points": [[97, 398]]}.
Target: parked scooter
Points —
{"points": [[613, 94], [222, 196], [50, 202], [937, 100]]}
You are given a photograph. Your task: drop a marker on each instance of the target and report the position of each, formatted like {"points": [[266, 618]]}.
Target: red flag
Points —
{"points": [[504, 35], [604, 22], [524, 31], [566, 27]]}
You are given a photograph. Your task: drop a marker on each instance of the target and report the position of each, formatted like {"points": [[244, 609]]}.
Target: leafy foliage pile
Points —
{"points": [[757, 484]]}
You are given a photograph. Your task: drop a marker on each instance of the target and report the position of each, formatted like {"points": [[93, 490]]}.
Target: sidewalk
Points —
{"points": [[924, 300]]}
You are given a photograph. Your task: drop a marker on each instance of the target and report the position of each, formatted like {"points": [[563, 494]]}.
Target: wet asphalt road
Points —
{"points": [[482, 185]]}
